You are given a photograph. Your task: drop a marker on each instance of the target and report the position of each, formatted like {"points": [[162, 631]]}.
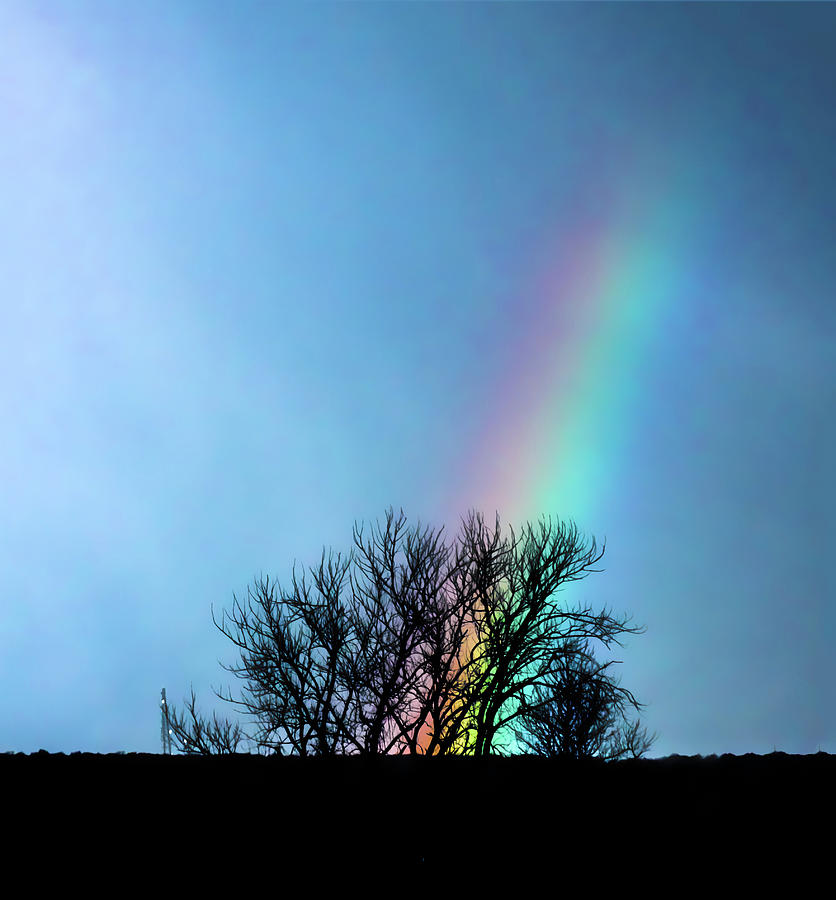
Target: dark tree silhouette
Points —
{"points": [[352, 657], [403, 603], [518, 620], [197, 735], [293, 648], [581, 711], [414, 644]]}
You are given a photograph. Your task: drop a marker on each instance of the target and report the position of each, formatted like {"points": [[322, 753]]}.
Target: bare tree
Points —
{"points": [[581, 711], [293, 648], [401, 604], [519, 618], [195, 734], [351, 658], [411, 643]]}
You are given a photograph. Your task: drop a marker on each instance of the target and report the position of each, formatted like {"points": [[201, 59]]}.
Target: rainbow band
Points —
{"points": [[562, 419]]}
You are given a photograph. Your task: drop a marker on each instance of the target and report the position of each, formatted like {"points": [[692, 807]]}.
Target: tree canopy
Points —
{"points": [[415, 644]]}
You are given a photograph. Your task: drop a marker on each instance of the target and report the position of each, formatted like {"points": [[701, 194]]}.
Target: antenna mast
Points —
{"points": [[165, 729]]}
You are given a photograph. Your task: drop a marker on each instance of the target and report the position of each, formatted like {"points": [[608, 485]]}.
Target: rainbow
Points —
{"points": [[563, 414]]}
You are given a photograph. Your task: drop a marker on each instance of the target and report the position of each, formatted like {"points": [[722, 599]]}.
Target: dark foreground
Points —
{"points": [[249, 823]]}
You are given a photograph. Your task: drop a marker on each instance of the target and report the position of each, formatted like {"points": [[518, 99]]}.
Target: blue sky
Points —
{"points": [[264, 269]]}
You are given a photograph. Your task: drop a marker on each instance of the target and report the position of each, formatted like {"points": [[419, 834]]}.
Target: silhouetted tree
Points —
{"points": [[402, 605], [581, 711], [294, 646], [410, 643], [519, 620], [351, 657], [194, 734]]}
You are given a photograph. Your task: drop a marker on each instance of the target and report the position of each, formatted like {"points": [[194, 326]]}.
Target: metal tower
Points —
{"points": [[165, 729]]}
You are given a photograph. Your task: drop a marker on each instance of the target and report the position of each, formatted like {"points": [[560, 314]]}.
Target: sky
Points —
{"points": [[269, 269]]}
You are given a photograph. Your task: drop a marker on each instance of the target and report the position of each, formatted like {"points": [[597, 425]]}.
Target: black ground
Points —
{"points": [[247, 823]]}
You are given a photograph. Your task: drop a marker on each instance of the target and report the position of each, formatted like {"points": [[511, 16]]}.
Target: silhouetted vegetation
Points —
{"points": [[580, 710], [414, 645], [196, 734]]}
